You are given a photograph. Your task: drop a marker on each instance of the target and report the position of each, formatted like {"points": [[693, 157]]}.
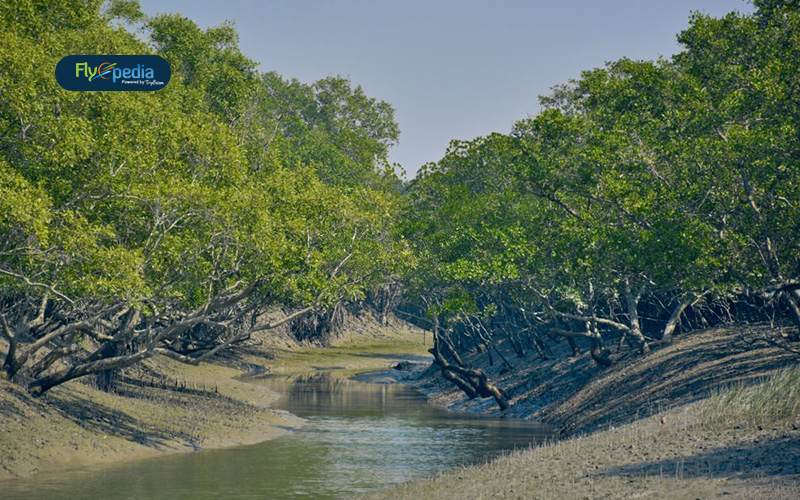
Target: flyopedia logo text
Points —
{"points": [[109, 70], [113, 72]]}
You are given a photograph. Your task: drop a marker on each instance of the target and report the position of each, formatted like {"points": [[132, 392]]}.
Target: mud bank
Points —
{"points": [[177, 409], [166, 407], [742, 444], [714, 415], [576, 396]]}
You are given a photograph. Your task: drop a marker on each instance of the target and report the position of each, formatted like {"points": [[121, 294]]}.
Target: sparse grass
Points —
{"points": [[746, 405]]}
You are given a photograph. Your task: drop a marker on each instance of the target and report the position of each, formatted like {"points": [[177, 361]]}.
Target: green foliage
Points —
{"points": [[680, 176], [330, 125], [208, 61], [24, 209], [168, 198], [668, 179]]}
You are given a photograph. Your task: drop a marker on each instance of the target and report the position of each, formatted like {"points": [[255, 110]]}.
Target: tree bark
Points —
{"points": [[675, 317], [632, 301], [473, 382], [448, 374], [600, 354], [51, 357], [791, 301], [44, 384], [10, 363], [576, 350]]}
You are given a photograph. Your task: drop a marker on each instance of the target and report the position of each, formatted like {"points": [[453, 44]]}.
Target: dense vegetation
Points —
{"points": [[136, 224], [646, 199]]}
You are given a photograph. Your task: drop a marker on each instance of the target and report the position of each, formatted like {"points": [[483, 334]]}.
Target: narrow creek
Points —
{"points": [[359, 437]]}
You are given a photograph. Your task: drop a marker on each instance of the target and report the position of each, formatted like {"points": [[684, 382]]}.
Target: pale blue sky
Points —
{"points": [[453, 69]]}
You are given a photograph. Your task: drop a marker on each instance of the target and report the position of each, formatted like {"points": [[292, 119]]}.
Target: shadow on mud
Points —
{"points": [[768, 457]]}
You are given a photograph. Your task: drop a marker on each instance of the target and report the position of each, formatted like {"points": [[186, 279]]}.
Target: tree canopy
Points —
{"points": [[654, 186], [144, 223], [647, 198]]}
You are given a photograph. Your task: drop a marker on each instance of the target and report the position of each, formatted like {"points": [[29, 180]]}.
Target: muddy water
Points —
{"points": [[359, 437]]}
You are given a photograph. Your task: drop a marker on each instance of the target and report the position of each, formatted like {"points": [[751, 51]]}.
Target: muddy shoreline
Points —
{"points": [[576, 396], [659, 421], [166, 407], [712, 415], [77, 426]]}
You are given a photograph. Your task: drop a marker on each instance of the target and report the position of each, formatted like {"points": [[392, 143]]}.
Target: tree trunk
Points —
{"points": [[600, 354], [44, 384], [675, 317], [633, 314], [535, 342], [448, 374], [473, 382], [792, 299], [51, 357], [10, 365], [576, 350]]}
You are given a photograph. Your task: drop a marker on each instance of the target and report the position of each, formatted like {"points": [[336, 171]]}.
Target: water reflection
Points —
{"points": [[360, 437]]}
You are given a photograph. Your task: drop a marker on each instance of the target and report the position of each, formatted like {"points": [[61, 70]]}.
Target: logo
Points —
{"points": [[97, 72]]}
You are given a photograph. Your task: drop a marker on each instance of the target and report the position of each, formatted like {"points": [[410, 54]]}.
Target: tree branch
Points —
{"points": [[37, 285]]}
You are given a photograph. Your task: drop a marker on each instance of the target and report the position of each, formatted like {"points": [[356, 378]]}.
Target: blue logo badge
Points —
{"points": [[93, 72]]}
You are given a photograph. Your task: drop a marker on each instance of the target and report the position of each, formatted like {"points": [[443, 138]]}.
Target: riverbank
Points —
{"points": [[742, 443], [164, 407], [694, 419], [575, 395], [178, 408]]}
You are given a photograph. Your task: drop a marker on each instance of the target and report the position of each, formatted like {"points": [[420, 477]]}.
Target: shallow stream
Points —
{"points": [[359, 437]]}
